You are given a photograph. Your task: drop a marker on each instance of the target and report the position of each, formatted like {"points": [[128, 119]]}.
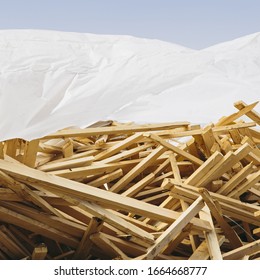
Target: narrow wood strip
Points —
{"points": [[114, 130], [174, 229]]}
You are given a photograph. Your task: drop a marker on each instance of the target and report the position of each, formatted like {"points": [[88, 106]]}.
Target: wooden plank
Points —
{"points": [[203, 170], [126, 154], [62, 186], [177, 240], [11, 244], [15, 237], [175, 168], [11, 147], [161, 167], [251, 180], [86, 243], [74, 156], [140, 167], [94, 169], [62, 224], [216, 130], [174, 229], [22, 221], [133, 190], [114, 130], [233, 117], [208, 138], [101, 140], [256, 231], [227, 229], [79, 162], [106, 178], [211, 237], [202, 252], [109, 247], [175, 149], [64, 255], [236, 179], [141, 224], [112, 219], [225, 164], [119, 146], [40, 252], [177, 176], [235, 135], [1, 150], [231, 207], [158, 180], [26, 193], [30, 153], [194, 191], [194, 239], [257, 213], [67, 148], [252, 114], [248, 249]]}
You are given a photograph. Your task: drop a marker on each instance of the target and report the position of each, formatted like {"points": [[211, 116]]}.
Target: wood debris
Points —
{"points": [[113, 190]]}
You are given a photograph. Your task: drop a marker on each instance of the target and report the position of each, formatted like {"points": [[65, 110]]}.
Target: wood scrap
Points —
{"points": [[129, 191]]}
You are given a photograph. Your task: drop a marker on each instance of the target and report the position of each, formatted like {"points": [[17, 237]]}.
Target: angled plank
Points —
{"points": [[140, 167], [227, 229], [63, 186], [250, 181], [85, 244], [211, 237], [133, 190], [106, 178], [236, 179], [174, 229], [175, 149], [26, 193], [126, 154], [248, 249], [114, 130], [30, 152], [202, 252], [72, 163], [252, 114], [108, 246], [233, 117], [119, 146], [111, 219], [12, 217]]}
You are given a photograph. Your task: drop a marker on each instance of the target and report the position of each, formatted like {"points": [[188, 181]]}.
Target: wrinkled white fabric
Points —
{"points": [[50, 80]]}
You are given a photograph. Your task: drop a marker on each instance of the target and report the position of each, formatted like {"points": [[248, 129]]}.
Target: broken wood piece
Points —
{"points": [[227, 229], [174, 229], [26, 193], [85, 161], [108, 246], [248, 249], [211, 237], [174, 149], [85, 244], [240, 113], [114, 130], [252, 114], [40, 252], [137, 170]]}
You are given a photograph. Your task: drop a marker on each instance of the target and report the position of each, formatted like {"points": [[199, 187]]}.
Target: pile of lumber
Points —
{"points": [[171, 191]]}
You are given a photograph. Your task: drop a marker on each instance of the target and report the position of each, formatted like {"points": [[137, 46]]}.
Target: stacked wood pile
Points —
{"points": [[126, 191]]}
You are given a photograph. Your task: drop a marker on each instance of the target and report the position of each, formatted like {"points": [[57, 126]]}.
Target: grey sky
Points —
{"points": [[192, 23]]}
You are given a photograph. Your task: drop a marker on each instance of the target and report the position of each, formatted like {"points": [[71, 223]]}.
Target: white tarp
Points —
{"points": [[50, 80]]}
